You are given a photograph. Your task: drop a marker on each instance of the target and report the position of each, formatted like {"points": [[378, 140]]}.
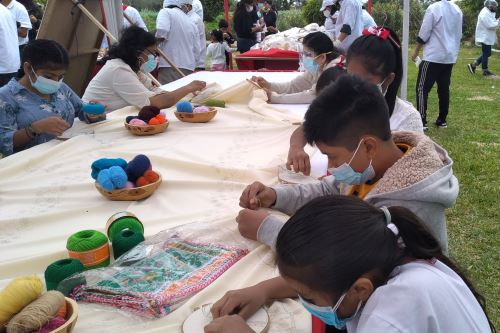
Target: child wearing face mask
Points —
{"points": [[319, 54], [361, 268], [365, 160]]}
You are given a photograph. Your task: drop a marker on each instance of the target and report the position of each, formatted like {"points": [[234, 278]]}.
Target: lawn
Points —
{"points": [[473, 141]]}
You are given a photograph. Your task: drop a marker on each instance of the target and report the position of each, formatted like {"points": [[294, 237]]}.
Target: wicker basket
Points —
{"points": [[147, 130], [130, 194], [71, 317], [203, 117]]}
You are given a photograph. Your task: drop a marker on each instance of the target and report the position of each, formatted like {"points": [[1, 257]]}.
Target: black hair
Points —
{"points": [[44, 54], [380, 57], [218, 35], [320, 43], [240, 8], [332, 241], [345, 111], [328, 76], [32, 8], [223, 24], [133, 41], [273, 7]]}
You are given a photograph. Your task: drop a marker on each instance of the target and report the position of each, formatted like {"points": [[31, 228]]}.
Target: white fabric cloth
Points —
{"points": [[9, 61], [20, 14], [441, 31], [352, 15], [216, 52], [200, 27], [116, 86], [198, 8], [368, 20], [486, 27], [421, 297], [181, 36], [135, 17], [405, 117]]}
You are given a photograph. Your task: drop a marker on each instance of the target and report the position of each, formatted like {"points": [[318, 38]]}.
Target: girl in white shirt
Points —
{"points": [[367, 269], [216, 50]]}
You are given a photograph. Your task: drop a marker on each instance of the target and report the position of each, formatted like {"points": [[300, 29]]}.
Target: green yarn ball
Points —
{"points": [[87, 240], [125, 241], [61, 269], [127, 222]]}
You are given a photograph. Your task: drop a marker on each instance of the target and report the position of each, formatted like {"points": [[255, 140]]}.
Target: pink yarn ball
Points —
{"points": [[129, 185], [137, 122], [52, 324], [201, 109]]}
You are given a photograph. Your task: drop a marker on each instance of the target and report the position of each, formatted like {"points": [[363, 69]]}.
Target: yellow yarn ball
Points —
{"points": [[17, 294]]}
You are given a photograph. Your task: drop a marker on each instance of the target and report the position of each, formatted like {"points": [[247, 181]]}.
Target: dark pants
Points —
{"points": [[244, 44], [331, 329], [5, 78], [428, 74], [483, 58]]}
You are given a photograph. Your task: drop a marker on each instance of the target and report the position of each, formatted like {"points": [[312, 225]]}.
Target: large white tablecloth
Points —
{"points": [[46, 194]]}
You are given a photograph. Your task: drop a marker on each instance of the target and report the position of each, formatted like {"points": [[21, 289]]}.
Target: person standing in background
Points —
{"points": [[270, 16], [368, 20], [35, 13], [9, 60], [349, 23], [177, 35], [439, 35], [228, 37], [486, 36], [21, 19], [245, 24], [198, 8], [134, 16], [187, 7]]}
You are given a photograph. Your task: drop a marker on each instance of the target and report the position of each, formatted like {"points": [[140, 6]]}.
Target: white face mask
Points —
{"points": [[379, 86], [327, 13]]}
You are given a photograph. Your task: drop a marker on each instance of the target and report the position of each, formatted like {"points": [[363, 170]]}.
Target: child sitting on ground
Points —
{"points": [[216, 51], [365, 160]]}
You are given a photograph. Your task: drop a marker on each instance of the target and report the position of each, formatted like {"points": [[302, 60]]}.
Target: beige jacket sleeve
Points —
{"points": [[303, 97], [299, 84]]}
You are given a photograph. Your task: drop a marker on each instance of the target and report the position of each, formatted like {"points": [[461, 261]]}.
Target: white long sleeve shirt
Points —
{"points": [[486, 27], [202, 41], [441, 32], [350, 14], [181, 36], [9, 60], [135, 17], [368, 20], [216, 52]]}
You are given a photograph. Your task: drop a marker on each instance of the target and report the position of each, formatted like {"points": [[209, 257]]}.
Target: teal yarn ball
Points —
{"points": [[125, 240], [90, 247], [123, 223], [61, 269]]}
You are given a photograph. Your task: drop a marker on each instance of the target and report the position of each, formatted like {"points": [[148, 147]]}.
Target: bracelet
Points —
{"points": [[28, 133], [32, 132]]}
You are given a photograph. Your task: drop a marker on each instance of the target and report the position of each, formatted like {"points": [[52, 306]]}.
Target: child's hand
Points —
{"points": [[257, 195], [228, 324], [243, 302], [249, 222], [298, 158]]}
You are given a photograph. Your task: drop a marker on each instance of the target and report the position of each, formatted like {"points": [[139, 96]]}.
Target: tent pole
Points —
{"points": [[406, 35]]}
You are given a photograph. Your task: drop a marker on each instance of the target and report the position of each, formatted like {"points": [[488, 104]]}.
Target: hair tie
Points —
{"points": [[380, 32], [392, 227], [387, 214]]}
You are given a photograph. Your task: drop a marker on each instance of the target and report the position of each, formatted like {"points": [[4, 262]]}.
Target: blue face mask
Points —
{"points": [[310, 65], [149, 65], [346, 174], [328, 314], [43, 85]]}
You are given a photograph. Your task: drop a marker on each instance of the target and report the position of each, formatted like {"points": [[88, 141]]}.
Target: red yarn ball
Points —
{"points": [[151, 176], [142, 181], [154, 121]]}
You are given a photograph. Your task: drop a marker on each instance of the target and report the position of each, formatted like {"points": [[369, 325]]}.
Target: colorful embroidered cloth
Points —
{"points": [[167, 274]]}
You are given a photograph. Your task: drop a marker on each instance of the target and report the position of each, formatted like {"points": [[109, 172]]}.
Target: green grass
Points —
{"points": [[473, 141]]}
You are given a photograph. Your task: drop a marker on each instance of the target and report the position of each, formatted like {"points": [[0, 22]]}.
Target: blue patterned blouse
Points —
{"points": [[20, 107]]}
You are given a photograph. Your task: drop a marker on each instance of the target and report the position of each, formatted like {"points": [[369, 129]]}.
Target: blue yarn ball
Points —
{"points": [[118, 176], [137, 167], [106, 163], [184, 106], [104, 179], [94, 109]]}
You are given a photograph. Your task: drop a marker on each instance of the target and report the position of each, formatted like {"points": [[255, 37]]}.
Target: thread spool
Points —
{"points": [[94, 109], [90, 247], [17, 294], [126, 240], [121, 221], [61, 269]]}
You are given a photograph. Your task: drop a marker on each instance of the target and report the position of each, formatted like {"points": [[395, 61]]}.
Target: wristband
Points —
{"points": [[30, 131]]}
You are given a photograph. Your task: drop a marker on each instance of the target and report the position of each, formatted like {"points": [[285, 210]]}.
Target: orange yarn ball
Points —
{"points": [[142, 181], [161, 118], [154, 121], [62, 311], [151, 176]]}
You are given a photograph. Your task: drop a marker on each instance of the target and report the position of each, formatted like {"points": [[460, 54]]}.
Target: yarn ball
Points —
{"points": [[201, 109], [151, 176], [60, 270], [53, 324], [137, 167], [148, 112], [126, 240], [106, 163], [94, 109], [184, 106], [90, 247], [142, 181], [129, 118], [62, 310], [162, 118], [129, 185], [137, 122], [154, 121], [104, 179], [17, 294], [123, 223], [37, 313], [118, 176]]}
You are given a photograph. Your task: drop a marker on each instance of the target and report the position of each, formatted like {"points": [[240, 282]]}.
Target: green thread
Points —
{"points": [[126, 240], [60, 270], [87, 240], [127, 222]]}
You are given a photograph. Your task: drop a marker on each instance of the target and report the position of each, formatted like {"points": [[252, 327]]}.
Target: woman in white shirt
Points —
{"points": [[217, 49], [123, 80], [363, 268]]}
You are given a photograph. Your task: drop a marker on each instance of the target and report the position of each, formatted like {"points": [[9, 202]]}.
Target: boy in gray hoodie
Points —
{"points": [[400, 169]]}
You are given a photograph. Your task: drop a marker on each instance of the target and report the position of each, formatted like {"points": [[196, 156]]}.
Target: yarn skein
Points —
{"points": [[90, 247], [121, 221], [126, 240], [17, 294], [61, 269], [35, 315], [53, 324], [137, 166], [184, 106]]}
